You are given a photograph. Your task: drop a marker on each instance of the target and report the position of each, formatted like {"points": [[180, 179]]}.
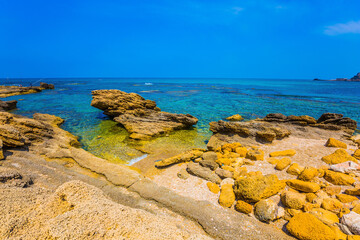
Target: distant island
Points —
{"points": [[355, 78]]}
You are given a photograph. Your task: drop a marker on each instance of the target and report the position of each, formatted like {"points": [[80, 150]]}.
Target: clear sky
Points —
{"points": [[180, 38]]}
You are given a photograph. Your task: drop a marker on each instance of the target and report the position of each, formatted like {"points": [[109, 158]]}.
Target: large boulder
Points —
{"points": [[266, 210], [140, 117], [7, 105], [352, 221]]}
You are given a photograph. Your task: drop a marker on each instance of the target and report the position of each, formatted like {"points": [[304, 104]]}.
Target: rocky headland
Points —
{"points": [[140, 117], [355, 78], [7, 91]]}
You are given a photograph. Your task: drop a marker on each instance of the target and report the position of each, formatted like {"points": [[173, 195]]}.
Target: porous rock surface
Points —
{"points": [[7, 91], [140, 117]]}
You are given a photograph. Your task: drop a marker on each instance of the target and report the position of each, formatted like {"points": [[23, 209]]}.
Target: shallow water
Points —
{"points": [[207, 99]]}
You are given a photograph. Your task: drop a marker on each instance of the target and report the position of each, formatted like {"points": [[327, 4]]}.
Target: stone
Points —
{"points": [[210, 156], [243, 207], [304, 118], [344, 198], [353, 191], [303, 186], [273, 160], [357, 154], [202, 172], [224, 173], [140, 117], [265, 136], [1, 150], [214, 188], [306, 226], [254, 188], [7, 91], [227, 181], [310, 197], [230, 147], [293, 199], [339, 156], [255, 154], [329, 116], [295, 169], [308, 174], [277, 117], [339, 235], [332, 190], [327, 217], [227, 196], [283, 163], [353, 237], [356, 208], [332, 205], [352, 221], [183, 157], [284, 153], [7, 105], [209, 164], [332, 142], [338, 178], [236, 117], [265, 210], [345, 167], [51, 119], [47, 85], [241, 151], [183, 174]]}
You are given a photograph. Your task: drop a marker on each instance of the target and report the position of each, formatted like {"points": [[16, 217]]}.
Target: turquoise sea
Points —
{"points": [[207, 99]]}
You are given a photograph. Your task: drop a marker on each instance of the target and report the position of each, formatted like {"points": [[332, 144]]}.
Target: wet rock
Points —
{"points": [[339, 156], [227, 196], [338, 178], [46, 85], [7, 105], [327, 217], [303, 186], [332, 142], [243, 207], [283, 163], [202, 172], [224, 173], [214, 188], [293, 199], [254, 188], [306, 226], [236, 117], [352, 221], [140, 117], [284, 153], [265, 210]]}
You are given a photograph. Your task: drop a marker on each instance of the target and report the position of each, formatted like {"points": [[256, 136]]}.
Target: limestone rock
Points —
{"points": [[332, 142], [202, 172], [327, 217], [339, 156], [332, 205], [283, 163], [353, 191], [209, 164], [227, 196], [51, 119], [265, 210], [265, 136], [243, 207], [183, 157], [345, 167], [255, 154], [303, 186], [277, 117], [210, 156], [183, 174], [255, 188], [338, 178], [293, 199], [352, 221], [284, 153], [357, 154], [295, 169], [308, 174], [299, 119], [7, 105], [344, 198], [7, 91], [306, 226], [224, 173], [236, 117], [140, 117], [214, 188]]}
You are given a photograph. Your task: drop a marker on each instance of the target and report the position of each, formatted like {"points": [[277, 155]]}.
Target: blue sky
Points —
{"points": [[187, 38]]}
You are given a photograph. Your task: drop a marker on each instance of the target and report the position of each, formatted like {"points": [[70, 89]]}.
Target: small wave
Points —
{"points": [[148, 84], [135, 160]]}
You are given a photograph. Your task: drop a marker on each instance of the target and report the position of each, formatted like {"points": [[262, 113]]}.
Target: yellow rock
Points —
{"points": [[356, 208], [240, 171], [285, 153], [310, 197], [273, 160], [255, 154], [309, 206], [230, 147], [256, 173], [283, 163], [225, 161], [306, 226], [353, 237], [332, 142], [293, 199], [327, 217], [292, 212], [214, 188], [236, 117], [344, 198], [338, 178], [338, 233], [343, 211], [332, 190], [243, 207], [308, 174], [241, 151], [321, 173], [357, 154], [228, 168], [308, 187], [339, 156], [295, 169], [353, 191], [332, 204], [227, 196]]}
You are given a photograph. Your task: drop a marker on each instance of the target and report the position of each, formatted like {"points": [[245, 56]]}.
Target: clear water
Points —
{"points": [[207, 99]]}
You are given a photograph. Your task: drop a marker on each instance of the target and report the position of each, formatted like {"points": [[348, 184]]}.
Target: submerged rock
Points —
{"points": [[140, 117]]}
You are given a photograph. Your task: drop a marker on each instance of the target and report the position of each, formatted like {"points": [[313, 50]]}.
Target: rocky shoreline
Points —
{"points": [[273, 178]]}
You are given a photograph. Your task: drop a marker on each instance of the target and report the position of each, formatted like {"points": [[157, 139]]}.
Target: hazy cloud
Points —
{"points": [[342, 28]]}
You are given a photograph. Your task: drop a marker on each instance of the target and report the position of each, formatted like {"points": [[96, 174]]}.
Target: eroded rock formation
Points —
{"points": [[140, 117], [7, 91], [7, 105]]}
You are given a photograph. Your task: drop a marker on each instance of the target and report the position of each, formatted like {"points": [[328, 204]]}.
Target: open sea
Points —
{"points": [[207, 99]]}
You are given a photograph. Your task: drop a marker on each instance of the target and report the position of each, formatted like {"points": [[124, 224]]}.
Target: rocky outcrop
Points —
{"points": [[140, 117], [7, 105], [7, 91]]}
